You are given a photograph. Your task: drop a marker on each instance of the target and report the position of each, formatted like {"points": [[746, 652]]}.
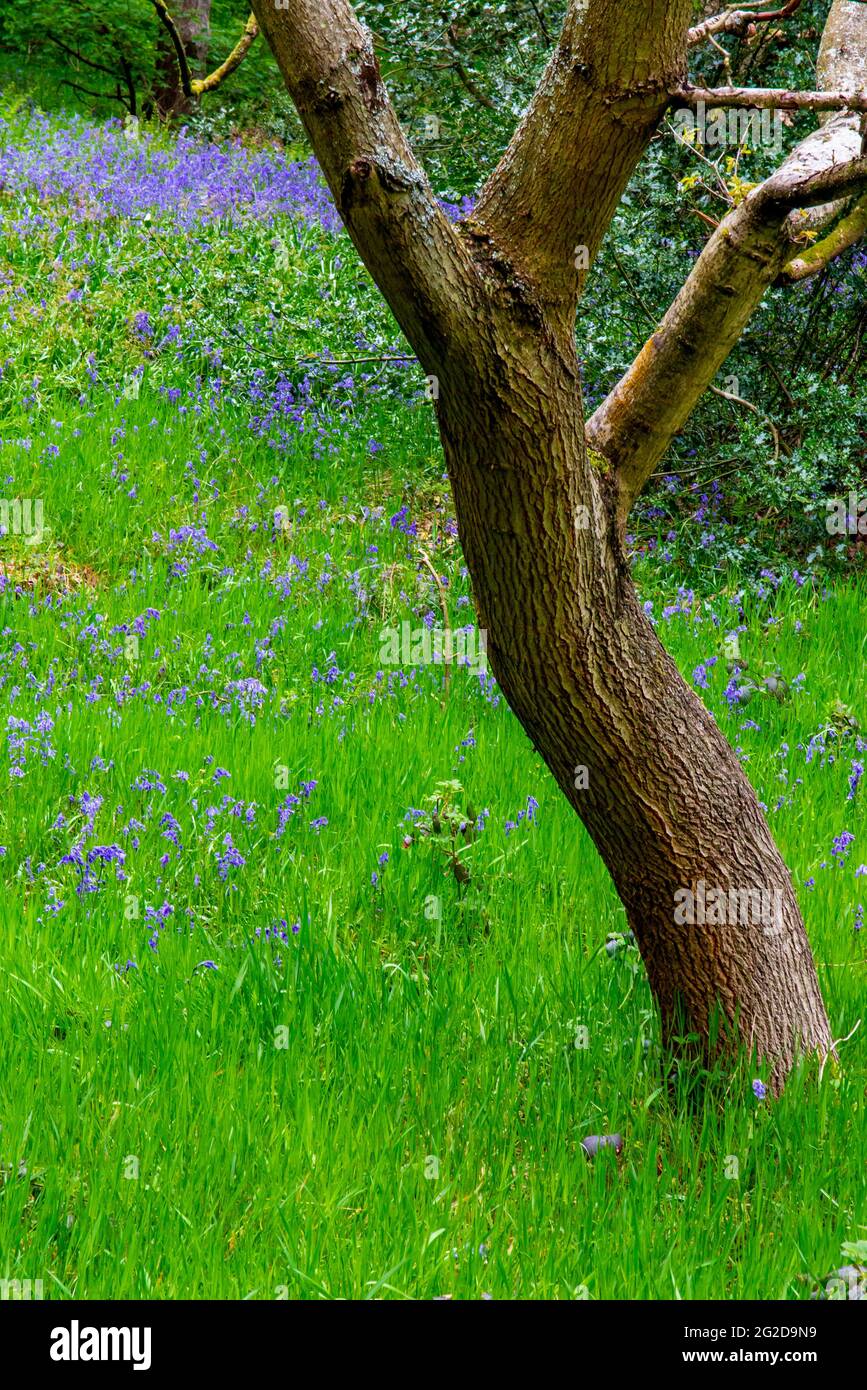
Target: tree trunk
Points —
{"points": [[489, 307], [192, 20], [663, 797]]}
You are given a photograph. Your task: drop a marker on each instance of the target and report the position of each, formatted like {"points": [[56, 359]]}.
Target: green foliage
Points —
{"points": [[103, 56], [389, 1101]]}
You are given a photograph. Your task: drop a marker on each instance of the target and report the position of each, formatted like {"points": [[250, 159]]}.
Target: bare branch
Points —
{"points": [[848, 232], [79, 57], [737, 22], [210, 83], [89, 91], [769, 98], [543, 28], [841, 65], [177, 44], [734, 399]]}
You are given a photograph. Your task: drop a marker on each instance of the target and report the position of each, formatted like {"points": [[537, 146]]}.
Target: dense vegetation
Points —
{"points": [[316, 980]]}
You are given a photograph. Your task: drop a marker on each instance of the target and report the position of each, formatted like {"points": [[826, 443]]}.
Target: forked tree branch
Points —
{"points": [[597, 105], [199, 86], [737, 22], [747, 253]]}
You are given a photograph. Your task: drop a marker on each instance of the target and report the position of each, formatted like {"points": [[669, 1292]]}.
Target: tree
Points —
{"points": [[542, 497], [136, 55], [191, 22], [186, 39]]}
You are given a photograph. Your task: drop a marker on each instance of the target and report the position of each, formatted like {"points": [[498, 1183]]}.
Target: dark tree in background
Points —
{"points": [[192, 19]]}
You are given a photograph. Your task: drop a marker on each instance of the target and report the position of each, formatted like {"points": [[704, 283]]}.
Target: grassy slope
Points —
{"points": [[272, 1124]]}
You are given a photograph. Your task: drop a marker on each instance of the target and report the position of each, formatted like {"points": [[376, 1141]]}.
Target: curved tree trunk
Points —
{"points": [[633, 748], [490, 309]]}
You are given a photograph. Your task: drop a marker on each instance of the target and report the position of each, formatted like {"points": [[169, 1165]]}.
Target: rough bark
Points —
{"points": [[666, 803], [600, 99], [489, 308]]}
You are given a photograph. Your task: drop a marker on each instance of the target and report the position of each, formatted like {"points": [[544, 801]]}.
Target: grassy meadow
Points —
{"points": [[311, 984]]}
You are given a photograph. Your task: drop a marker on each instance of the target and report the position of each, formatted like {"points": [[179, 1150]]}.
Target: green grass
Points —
{"points": [[427, 1095], [362, 1109]]}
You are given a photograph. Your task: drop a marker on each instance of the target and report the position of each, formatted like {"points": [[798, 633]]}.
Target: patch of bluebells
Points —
{"points": [[528, 814], [99, 174], [290, 805], [377, 873], [700, 674]]}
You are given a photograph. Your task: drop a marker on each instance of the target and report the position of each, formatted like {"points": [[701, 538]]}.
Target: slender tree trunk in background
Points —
{"points": [[490, 309], [192, 20]]}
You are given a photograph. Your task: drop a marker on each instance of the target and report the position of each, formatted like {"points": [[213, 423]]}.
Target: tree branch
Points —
{"points": [[842, 63], [737, 22], [543, 28], [89, 91], [178, 45], [472, 87], [199, 86], [748, 252], [79, 57], [769, 98], [847, 233], [595, 110], [210, 83]]}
